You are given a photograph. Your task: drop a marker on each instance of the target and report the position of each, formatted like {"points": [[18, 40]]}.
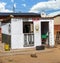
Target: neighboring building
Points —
{"points": [[57, 28], [25, 30]]}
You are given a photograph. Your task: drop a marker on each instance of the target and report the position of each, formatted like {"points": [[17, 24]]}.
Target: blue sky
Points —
{"points": [[36, 6], [21, 5]]}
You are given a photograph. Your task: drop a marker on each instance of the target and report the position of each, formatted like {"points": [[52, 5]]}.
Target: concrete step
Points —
{"points": [[23, 52]]}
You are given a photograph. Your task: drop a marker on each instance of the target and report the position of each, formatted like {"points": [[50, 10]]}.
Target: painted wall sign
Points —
{"points": [[36, 19], [37, 27]]}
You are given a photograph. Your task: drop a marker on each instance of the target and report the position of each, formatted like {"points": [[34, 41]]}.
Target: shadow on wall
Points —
{"points": [[6, 39]]}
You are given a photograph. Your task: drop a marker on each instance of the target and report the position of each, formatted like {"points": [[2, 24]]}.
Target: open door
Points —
{"points": [[45, 33]]}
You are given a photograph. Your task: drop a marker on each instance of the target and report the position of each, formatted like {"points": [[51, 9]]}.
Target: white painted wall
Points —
{"points": [[5, 28], [17, 37], [37, 35], [17, 33], [51, 31]]}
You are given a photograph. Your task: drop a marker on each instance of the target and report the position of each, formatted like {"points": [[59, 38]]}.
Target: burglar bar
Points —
{"points": [[28, 39]]}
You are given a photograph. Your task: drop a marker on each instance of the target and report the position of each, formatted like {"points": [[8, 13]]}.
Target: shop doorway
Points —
{"points": [[45, 33]]}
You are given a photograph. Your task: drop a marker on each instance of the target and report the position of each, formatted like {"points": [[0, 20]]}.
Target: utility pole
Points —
{"points": [[13, 8]]}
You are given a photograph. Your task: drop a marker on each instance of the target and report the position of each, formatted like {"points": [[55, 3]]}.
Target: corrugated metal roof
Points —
{"points": [[20, 14]]}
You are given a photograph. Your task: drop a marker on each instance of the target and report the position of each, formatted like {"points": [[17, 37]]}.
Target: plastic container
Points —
{"points": [[44, 36], [6, 47]]}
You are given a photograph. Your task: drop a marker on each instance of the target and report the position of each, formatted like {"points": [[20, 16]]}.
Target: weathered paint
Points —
{"points": [[17, 33], [37, 33], [5, 28], [17, 36], [51, 33]]}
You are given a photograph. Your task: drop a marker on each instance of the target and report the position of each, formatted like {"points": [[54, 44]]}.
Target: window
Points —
{"points": [[28, 34], [27, 27]]}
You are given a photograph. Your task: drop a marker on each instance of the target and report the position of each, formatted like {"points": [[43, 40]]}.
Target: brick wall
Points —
{"points": [[56, 28]]}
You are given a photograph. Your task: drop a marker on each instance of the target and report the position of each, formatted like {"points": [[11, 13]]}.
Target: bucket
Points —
{"points": [[6, 47], [44, 36]]}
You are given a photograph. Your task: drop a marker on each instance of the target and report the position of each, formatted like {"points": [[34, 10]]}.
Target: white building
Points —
{"points": [[27, 30]]}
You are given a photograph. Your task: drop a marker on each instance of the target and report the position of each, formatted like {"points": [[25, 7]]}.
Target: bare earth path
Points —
{"points": [[52, 56]]}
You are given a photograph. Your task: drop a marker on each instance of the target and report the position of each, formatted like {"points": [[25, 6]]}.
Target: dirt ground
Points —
{"points": [[52, 56]]}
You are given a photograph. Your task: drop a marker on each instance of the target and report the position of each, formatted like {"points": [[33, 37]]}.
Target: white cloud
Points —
{"points": [[12, 0], [2, 7], [15, 5], [49, 5], [52, 0], [54, 14], [24, 5]]}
